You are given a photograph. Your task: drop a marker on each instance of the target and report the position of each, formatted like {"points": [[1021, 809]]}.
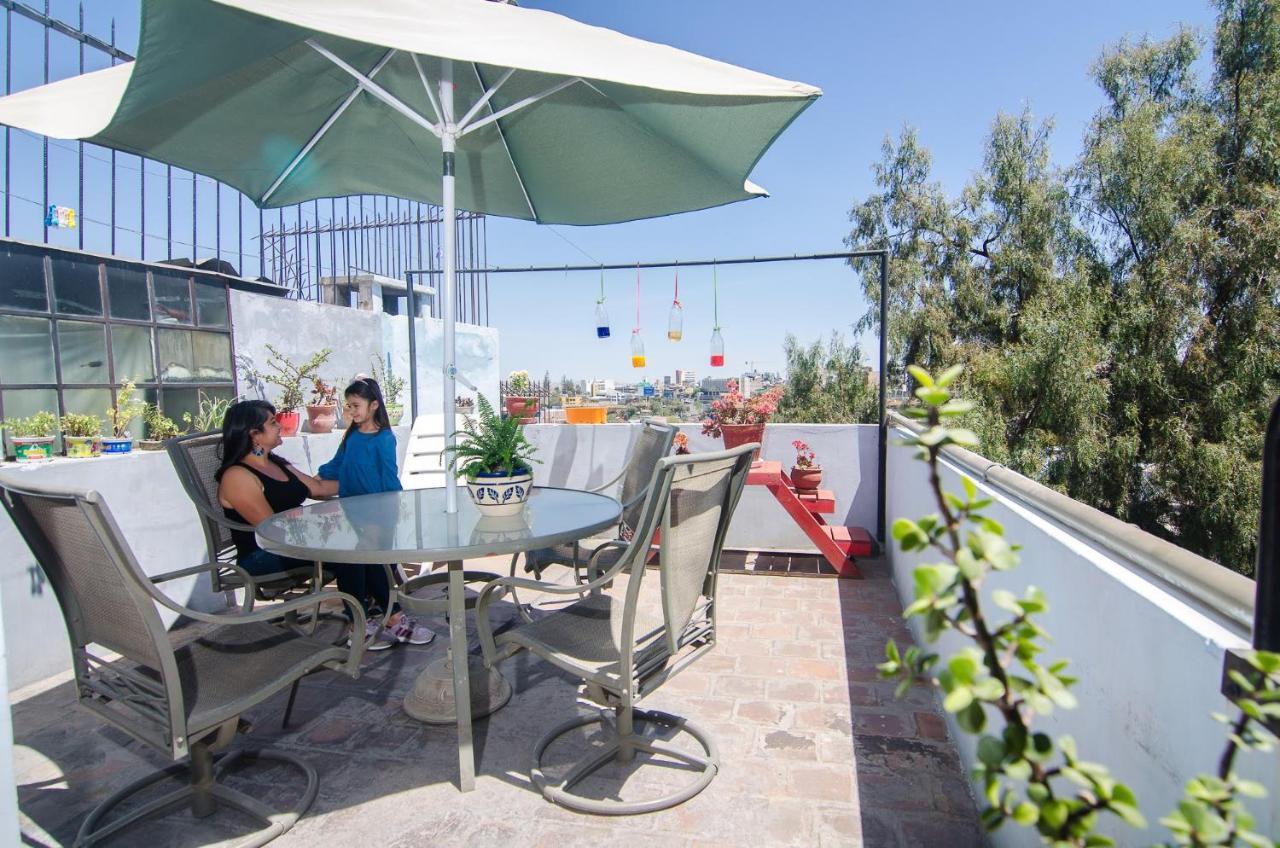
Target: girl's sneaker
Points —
{"points": [[375, 637], [407, 629]]}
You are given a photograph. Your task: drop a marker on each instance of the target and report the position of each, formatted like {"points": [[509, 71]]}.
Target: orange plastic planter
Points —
{"points": [[586, 414]]}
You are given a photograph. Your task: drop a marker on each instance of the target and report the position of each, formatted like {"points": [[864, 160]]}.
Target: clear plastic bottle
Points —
{"points": [[717, 349], [637, 350], [602, 320], [675, 322]]}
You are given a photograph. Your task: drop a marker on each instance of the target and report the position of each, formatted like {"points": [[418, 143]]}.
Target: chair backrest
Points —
{"points": [[423, 465], [691, 499], [653, 444], [106, 600], [196, 459]]}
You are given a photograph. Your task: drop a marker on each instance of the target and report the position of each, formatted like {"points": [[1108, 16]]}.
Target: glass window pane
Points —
{"points": [[177, 401], [20, 403], [22, 279], [177, 361], [131, 350], [26, 350], [127, 293], [173, 298], [88, 402], [212, 357], [83, 348], [211, 304], [75, 287]]}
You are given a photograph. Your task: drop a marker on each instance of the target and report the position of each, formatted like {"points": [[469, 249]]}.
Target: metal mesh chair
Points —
{"points": [[632, 485], [185, 701], [195, 459], [618, 647]]}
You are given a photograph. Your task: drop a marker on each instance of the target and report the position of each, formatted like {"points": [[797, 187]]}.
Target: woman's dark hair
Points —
{"points": [[242, 420], [368, 388]]}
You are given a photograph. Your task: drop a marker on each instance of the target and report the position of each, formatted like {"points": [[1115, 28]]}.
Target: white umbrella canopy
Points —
{"points": [[533, 115]]}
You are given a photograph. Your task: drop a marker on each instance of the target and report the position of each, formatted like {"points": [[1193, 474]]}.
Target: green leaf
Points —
{"points": [[968, 565], [958, 699], [1054, 814], [988, 689], [955, 407], [1006, 600], [964, 665], [922, 376], [970, 488], [932, 395], [1026, 814], [949, 376], [1129, 814], [964, 438], [990, 750], [972, 719], [1097, 840]]}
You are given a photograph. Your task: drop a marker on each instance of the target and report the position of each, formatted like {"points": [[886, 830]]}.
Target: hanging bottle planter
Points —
{"points": [[637, 343], [602, 314], [637, 349], [717, 341], [675, 320]]}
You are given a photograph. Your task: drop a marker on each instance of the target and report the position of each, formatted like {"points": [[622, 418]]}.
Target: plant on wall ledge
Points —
{"points": [[1028, 777], [290, 377], [209, 414]]}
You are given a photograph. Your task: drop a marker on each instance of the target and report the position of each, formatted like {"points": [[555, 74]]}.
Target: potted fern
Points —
{"points": [[32, 437], [81, 435], [160, 428], [126, 409], [494, 455]]}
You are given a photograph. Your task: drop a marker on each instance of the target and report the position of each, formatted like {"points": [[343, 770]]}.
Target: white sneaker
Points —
{"points": [[407, 629], [375, 637]]}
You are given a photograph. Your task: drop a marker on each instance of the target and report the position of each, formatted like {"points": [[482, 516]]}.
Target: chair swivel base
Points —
{"points": [[204, 799], [432, 702], [706, 766]]}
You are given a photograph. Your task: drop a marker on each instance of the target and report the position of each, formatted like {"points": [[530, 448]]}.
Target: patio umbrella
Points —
{"points": [[532, 115]]}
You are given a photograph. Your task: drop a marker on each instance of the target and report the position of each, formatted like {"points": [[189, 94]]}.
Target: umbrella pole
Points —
{"points": [[448, 142]]}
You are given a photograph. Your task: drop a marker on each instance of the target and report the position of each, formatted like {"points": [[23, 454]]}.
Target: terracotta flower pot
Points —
{"points": [[524, 408], [321, 417], [742, 434], [806, 479], [289, 422]]}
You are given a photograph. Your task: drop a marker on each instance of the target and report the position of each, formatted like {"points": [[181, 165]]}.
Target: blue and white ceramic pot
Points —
{"points": [[500, 494]]}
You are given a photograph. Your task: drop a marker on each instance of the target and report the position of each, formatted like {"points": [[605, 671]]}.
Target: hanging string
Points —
{"points": [[601, 284], [715, 294], [637, 297], [677, 285]]}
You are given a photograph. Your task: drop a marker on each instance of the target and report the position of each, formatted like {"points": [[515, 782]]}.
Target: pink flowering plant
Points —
{"points": [[681, 441], [734, 408], [805, 457]]}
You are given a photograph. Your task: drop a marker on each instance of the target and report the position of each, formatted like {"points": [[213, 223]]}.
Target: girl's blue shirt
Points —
{"points": [[365, 463]]}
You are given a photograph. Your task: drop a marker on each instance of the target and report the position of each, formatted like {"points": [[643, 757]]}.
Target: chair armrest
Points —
{"points": [[201, 569], [262, 614]]}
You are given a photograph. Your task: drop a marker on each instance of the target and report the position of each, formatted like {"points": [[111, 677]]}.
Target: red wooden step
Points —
{"points": [[854, 541], [821, 501]]}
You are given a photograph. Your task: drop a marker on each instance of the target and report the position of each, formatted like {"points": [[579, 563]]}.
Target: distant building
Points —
{"points": [[686, 377], [603, 388]]}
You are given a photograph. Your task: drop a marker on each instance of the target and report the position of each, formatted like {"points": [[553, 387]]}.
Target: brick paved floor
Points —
{"points": [[815, 750]]}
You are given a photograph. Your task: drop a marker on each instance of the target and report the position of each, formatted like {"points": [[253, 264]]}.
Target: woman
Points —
{"points": [[254, 484]]}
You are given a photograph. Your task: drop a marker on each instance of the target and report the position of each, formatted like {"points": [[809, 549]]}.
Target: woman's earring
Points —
{"points": [[257, 450]]}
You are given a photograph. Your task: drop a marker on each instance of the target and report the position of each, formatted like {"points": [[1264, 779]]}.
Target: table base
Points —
{"points": [[432, 701]]}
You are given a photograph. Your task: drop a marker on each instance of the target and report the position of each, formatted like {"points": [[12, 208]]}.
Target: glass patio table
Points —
{"points": [[412, 526]]}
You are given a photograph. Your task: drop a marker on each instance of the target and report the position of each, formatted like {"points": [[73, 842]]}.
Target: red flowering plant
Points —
{"points": [[804, 455], [681, 441], [733, 407]]}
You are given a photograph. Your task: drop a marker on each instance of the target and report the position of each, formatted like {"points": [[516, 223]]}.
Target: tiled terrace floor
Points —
{"points": [[814, 749]]}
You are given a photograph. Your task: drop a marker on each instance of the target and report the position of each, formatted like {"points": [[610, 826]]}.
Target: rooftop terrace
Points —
{"points": [[815, 750]]}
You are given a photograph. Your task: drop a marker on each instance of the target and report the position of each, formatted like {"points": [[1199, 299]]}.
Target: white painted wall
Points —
{"points": [[356, 337], [1149, 665], [588, 455]]}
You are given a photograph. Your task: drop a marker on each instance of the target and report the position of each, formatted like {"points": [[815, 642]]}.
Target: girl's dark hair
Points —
{"points": [[368, 388], [242, 420]]}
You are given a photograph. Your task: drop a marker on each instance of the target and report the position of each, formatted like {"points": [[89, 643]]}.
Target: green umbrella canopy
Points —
{"points": [[267, 96]]}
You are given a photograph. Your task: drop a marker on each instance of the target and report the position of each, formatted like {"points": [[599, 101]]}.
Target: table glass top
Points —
{"points": [[413, 526]]}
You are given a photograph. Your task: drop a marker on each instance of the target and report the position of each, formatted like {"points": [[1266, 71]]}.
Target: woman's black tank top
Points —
{"points": [[280, 495]]}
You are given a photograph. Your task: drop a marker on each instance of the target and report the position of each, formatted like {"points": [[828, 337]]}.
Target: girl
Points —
{"points": [[364, 464]]}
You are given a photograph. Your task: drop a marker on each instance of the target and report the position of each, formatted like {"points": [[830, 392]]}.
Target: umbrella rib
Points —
{"points": [[376, 90], [507, 149], [324, 128], [520, 104], [431, 95], [479, 104]]}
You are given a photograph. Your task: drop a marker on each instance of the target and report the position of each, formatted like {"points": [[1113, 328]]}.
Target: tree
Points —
{"points": [[826, 384], [1121, 317]]}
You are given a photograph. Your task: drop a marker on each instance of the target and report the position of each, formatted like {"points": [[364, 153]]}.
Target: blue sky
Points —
{"points": [[945, 68]]}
